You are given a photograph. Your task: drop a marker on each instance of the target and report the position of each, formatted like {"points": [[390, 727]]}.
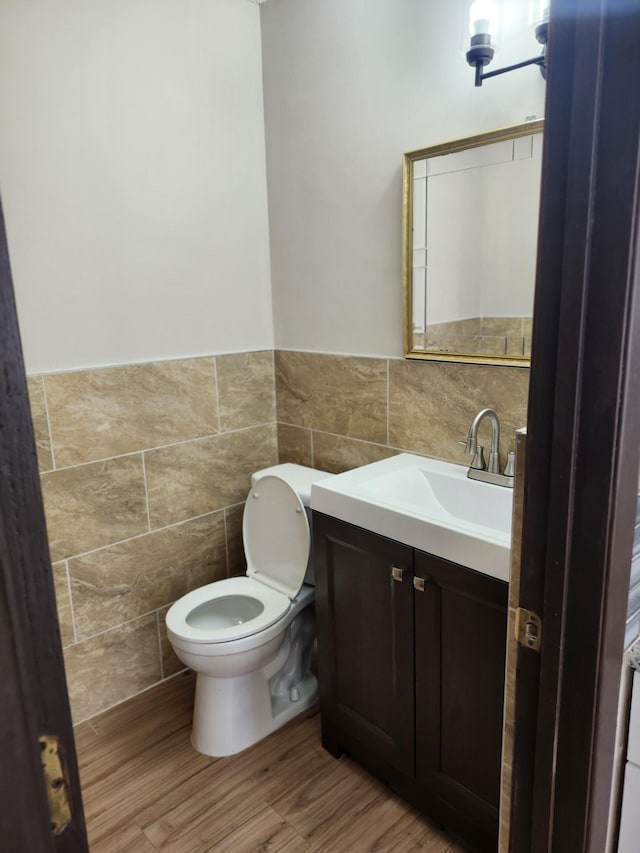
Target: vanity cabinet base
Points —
{"points": [[411, 653], [477, 833]]}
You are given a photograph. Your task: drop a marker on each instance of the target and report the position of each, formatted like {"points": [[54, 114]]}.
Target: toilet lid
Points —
{"points": [[276, 536]]}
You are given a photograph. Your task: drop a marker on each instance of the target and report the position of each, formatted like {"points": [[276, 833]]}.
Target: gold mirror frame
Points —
{"points": [[513, 132]]}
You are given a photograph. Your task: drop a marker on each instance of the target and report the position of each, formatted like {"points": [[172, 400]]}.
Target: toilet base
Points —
{"points": [[231, 714], [222, 726]]}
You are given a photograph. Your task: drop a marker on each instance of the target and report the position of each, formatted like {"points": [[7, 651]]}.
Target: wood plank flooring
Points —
{"points": [[146, 789]]}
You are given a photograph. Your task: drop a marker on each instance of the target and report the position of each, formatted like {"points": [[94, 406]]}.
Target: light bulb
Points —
{"points": [[483, 17], [538, 12]]}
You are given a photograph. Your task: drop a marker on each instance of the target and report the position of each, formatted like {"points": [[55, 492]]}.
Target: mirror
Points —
{"points": [[470, 229]]}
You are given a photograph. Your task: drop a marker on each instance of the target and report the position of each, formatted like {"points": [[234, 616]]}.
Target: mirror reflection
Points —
{"points": [[470, 230]]}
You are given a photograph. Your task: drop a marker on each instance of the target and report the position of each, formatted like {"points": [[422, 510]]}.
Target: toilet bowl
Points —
{"points": [[249, 639]]}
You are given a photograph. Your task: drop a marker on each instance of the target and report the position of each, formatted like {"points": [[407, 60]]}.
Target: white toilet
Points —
{"points": [[249, 639]]}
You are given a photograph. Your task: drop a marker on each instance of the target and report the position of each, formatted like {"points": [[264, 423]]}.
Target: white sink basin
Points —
{"points": [[427, 504]]}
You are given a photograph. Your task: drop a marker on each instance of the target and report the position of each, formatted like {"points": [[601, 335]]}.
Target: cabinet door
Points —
{"points": [[365, 641], [461, 629]]}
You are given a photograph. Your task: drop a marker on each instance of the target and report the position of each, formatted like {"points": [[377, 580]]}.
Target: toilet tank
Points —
{"points": [[300, 478]]}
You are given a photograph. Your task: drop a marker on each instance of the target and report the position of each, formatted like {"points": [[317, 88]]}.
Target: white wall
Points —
{"points": [[350, 86], [481, 208], [133, 178]]}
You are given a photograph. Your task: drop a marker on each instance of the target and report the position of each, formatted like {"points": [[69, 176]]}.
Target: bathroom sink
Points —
{"points": [[427, 504]]}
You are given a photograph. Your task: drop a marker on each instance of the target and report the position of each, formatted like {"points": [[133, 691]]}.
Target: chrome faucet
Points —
{"points": [[478, 470]]}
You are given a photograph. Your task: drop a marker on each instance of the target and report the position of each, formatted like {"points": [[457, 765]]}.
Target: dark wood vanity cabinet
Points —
{"points": [[411, 653], [365, 640]]}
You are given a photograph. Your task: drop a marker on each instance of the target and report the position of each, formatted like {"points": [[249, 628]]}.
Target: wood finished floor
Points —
{"points": [[145, 789]]}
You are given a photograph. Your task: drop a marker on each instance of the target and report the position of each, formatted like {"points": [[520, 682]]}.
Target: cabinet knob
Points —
{"points": [[419, 583], [397, 574]]}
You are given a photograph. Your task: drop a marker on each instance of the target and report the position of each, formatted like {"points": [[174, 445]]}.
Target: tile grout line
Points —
{"points": [[71, 607], [146, 533], [152, 612], [87, 720], [159, 645], [313, 458], [46, 409], [36, 374], [388, 410], [161, 447], [347, 437], [215, 374], [226, 540], [146, 492], [377, 444], [275, 385]]}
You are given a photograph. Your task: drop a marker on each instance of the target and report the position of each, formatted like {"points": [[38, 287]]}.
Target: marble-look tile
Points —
{"points": [[527, 346], [469, 344], [93, 505], [512, 646], [504, 827], [468, 326], [96, 414], [518, 512], [246, 389], [502, 326], [492, 344], [431, 405], [235, 548], [171, 664], [345, 395], [510, 683], [294, 445], [507, 734], [112, 666], [63, 602], [201, 476], [515, 346], [40, 423], [118, 583], [335, 453]]}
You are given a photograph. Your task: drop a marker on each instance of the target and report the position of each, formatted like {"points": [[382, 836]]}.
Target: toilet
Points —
{"points": [[249, 639]]}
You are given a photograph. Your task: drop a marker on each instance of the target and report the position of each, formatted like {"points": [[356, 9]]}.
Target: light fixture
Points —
{"points": [[483, 19]]}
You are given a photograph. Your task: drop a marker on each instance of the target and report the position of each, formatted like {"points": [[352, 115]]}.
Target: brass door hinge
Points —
{"points": [[56, 783], [528, 629]]}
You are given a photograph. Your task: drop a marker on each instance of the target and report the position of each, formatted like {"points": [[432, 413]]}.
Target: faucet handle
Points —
{"points": [[510, 468], [470, 445], [478, 462], [477, 451]]}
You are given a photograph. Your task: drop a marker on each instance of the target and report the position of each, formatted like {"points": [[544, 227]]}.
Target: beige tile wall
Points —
{"points": [[144, 471], [339, 412], [512, 646], [508, 336]]}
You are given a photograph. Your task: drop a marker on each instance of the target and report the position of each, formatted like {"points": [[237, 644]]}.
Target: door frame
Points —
{"points": [[33, 690], [583, 432]]}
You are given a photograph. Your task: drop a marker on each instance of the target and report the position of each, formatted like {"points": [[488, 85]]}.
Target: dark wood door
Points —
{"points": [[583, 428], [33, 695], [460, 631], [364, 600]]}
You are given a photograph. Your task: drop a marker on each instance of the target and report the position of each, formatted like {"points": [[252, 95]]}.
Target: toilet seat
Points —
{"points": [[181, 622], [276, 535], [277, 541]]}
